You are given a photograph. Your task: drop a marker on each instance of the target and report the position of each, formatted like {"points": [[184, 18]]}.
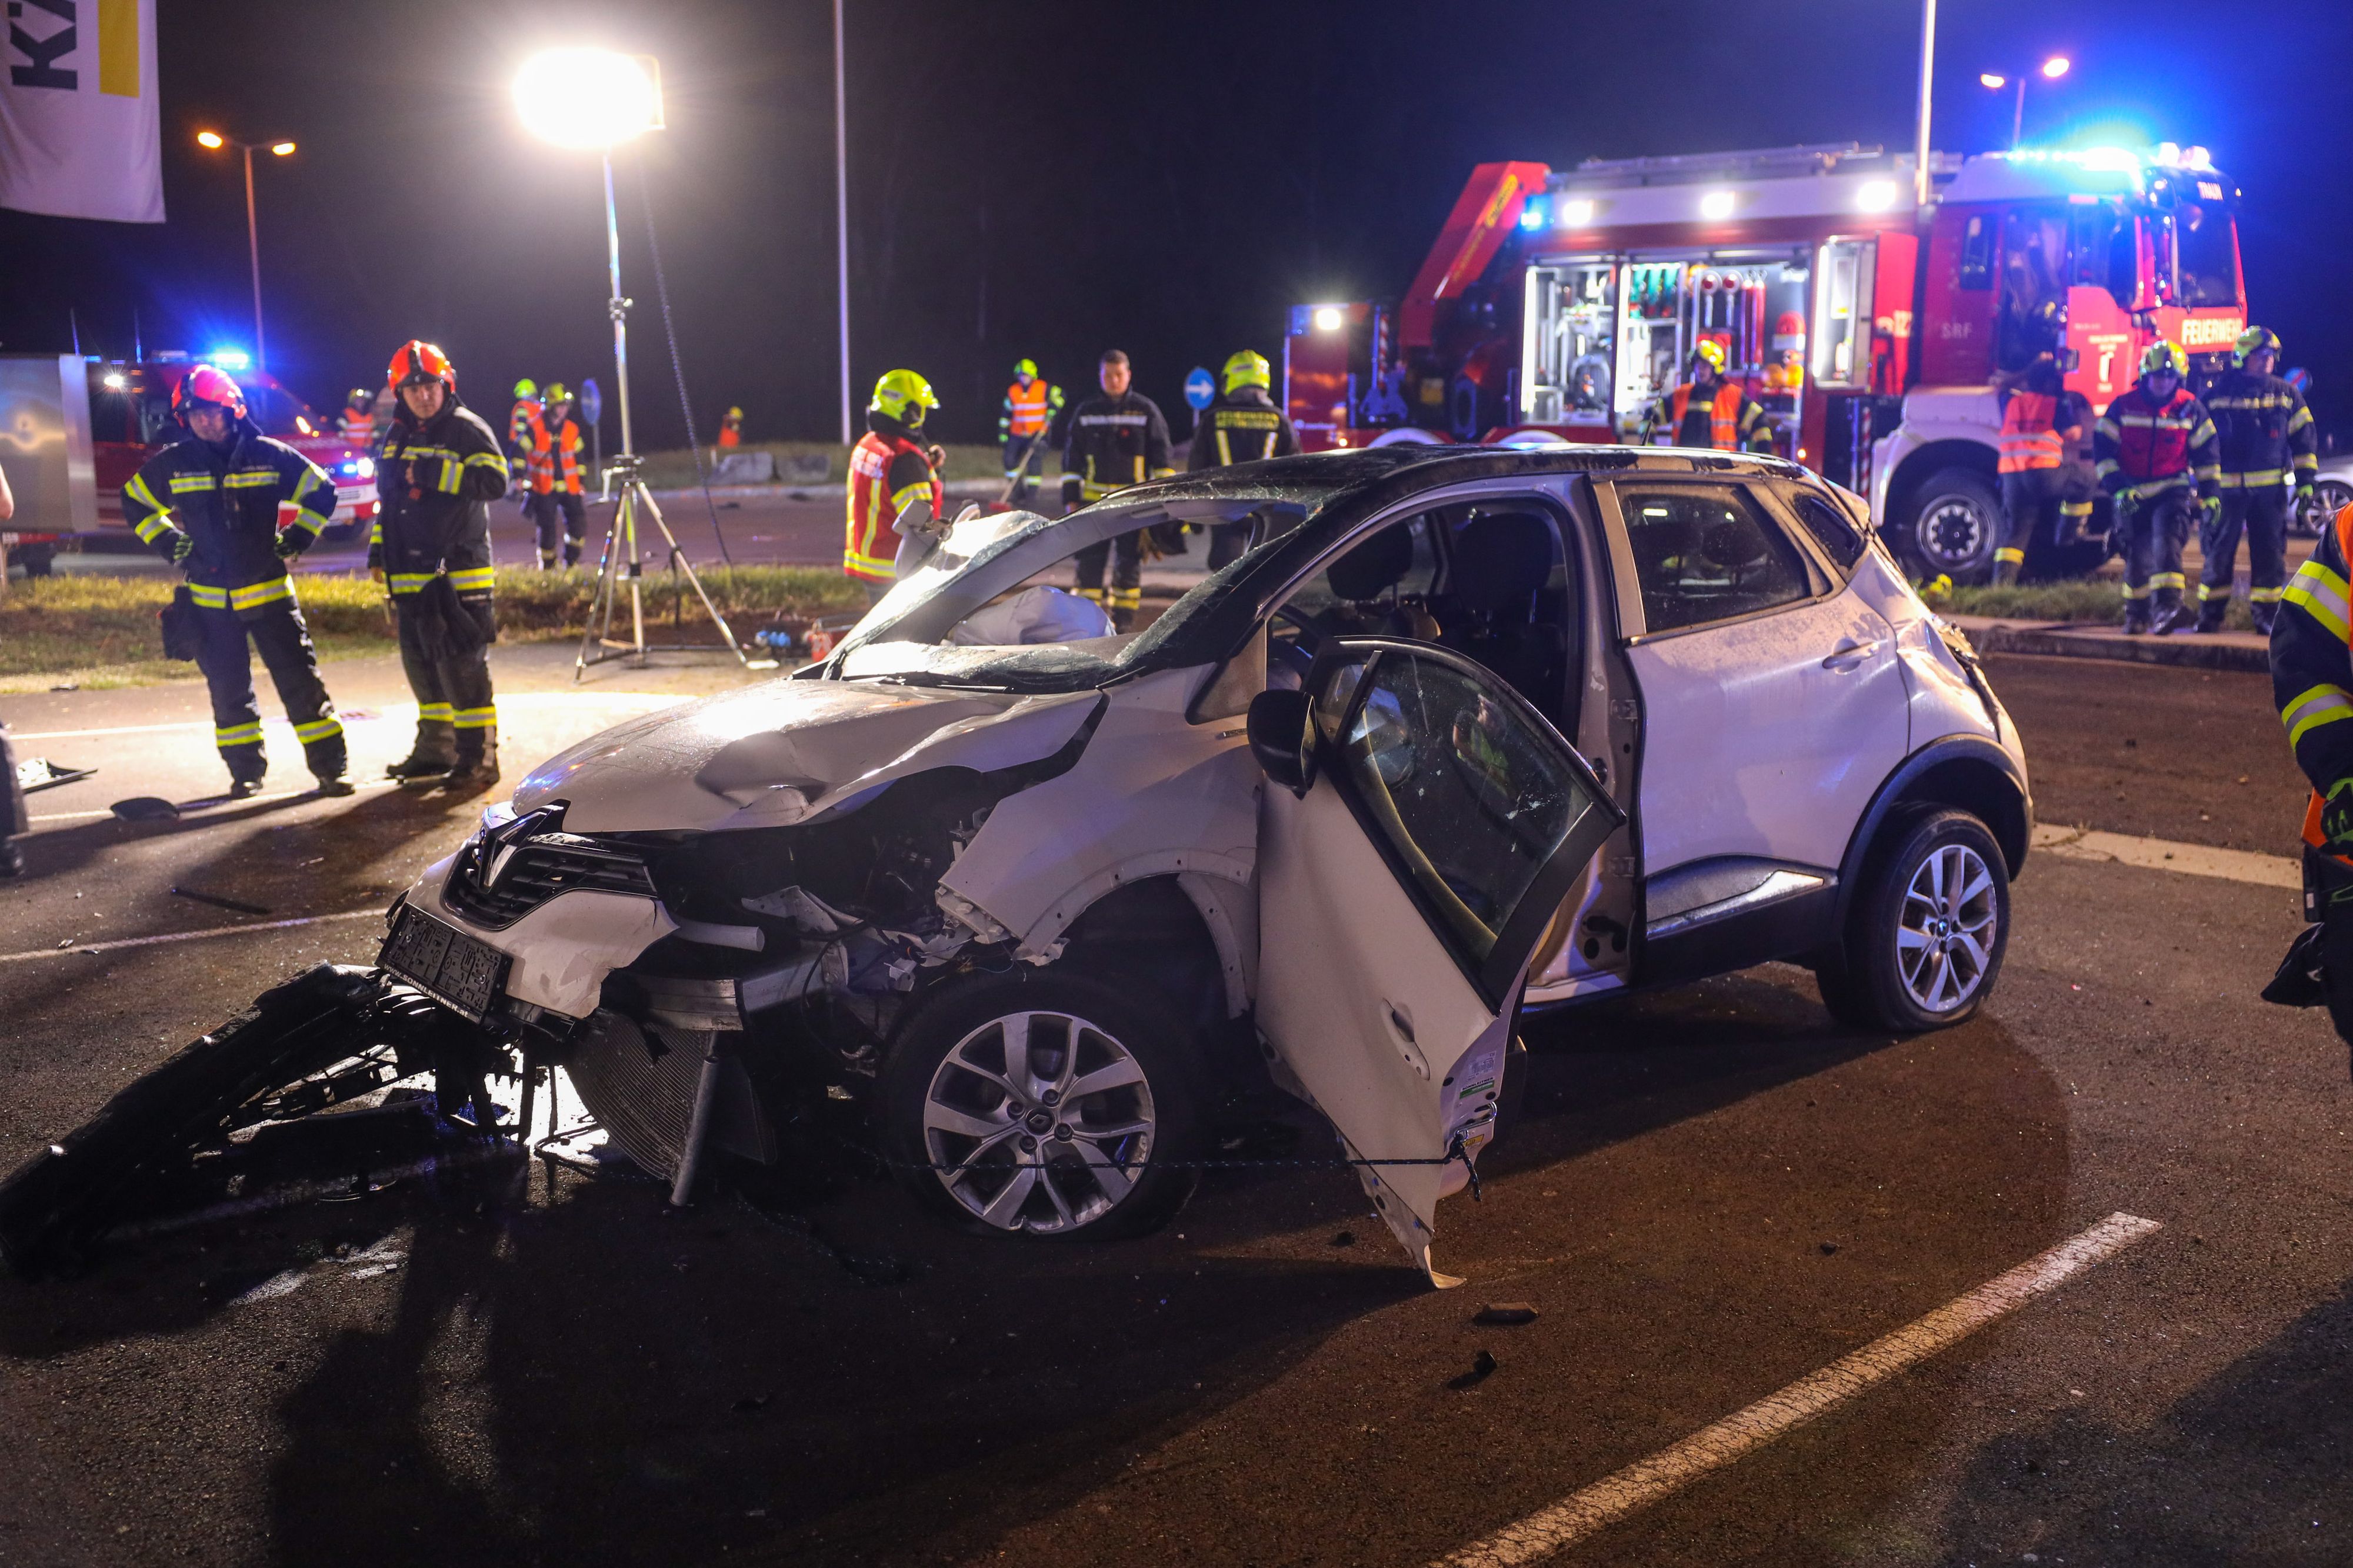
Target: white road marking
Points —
{"points": [[119, 944], [2166, 855], [1671, 1470], [403, 712]]}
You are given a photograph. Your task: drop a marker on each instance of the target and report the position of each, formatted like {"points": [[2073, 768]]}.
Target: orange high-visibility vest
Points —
{"points": [[2030, 439], [552, 458], [1027, 403], [1723, 414], [868, 547]]}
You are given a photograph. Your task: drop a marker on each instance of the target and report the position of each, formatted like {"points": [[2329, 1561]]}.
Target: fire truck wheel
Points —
{"points": [[1956, 525], [1463, 411]]}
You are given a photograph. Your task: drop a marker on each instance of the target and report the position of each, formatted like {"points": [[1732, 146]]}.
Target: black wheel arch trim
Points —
{"points": [[1965, 751]]}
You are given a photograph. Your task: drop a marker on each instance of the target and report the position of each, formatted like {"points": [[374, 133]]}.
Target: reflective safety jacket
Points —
{"points": [[1114, 442], [1726, 420], [227, 499], [887, 469], [433, 485], [2312, 668], [2265, 431], [356, 427], [1241, 427], [2142, 447], [519, 420], [2030, 439], [552, 458], [1029, 410]]}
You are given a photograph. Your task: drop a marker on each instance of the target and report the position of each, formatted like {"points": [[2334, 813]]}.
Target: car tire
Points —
{"points": [[2329, 497], [1927, 930], [947, 1099], [1956, 524]]}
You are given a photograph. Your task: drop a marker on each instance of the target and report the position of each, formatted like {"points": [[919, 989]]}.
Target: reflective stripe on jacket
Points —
{"points": [[1114, 442], [2312, 668], [434, 484], [1734, 419], [1029, 410], [1241, 427], [2264, 431], [2029, 437], [2144, 447], [228, 504], [552, 456], [886, 472]]}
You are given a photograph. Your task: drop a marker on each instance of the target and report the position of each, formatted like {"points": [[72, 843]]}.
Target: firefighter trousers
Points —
{"points": [[1023, 456], [455, 719], [2261, 516], [1126, 593], [279, 635], [2030, 498], [2155, 528], [561, 519]]}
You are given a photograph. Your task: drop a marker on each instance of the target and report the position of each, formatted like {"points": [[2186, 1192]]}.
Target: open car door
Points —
{"points": [[1420, 826]]}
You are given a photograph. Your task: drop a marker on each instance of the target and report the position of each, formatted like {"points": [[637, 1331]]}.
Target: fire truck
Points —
{"points": [[1559, 305]]}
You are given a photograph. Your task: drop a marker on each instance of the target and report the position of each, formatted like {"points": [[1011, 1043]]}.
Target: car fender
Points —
{"points": [[1970, 758], [1152, 795]]}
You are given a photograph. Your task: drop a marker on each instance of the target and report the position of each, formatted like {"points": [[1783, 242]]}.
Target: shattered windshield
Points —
{"points": [[1024, 603]]}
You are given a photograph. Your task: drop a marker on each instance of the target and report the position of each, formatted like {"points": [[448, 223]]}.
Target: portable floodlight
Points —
{"points": [[589, 98]]}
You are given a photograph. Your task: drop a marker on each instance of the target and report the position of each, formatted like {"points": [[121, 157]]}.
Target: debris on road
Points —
{"points": [[146, 808], [237, 906], [1506, 1314]]}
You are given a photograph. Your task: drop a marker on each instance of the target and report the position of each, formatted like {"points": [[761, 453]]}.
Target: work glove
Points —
{"points": [[2303, 496], [2336, 816], [290, 545], [2211, 505], [181, 548]]}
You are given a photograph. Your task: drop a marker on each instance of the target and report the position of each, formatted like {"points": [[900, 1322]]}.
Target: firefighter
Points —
{"points": [[14, 824], [552, 461], [440, 471], [2037, 425], [1710, 410], [526, 404], [209, 505], [1242, 426], [1031, 405], [358, 423], [2312, 685], [2266, 437], [2156, 459], [1115, 440], [892, 464], [730, 434]]}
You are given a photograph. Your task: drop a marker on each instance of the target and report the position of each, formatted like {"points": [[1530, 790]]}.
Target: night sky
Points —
{"points": [[1053, 179]]}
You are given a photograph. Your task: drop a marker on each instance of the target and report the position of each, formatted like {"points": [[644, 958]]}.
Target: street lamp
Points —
{"points": [[597, 98], [2052, 69], [212, 141]]}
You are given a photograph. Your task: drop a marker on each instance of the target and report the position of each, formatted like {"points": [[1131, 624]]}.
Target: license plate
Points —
{"points": [[461, 973]]}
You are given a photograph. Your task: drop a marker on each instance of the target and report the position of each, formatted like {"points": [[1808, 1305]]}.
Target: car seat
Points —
{"points": [[1502, 564], [1359, 580]]}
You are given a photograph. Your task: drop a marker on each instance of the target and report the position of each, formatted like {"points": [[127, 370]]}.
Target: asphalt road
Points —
{"points": [[1715, 1193]]}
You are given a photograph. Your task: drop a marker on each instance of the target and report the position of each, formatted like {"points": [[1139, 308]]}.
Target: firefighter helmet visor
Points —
{"points": [[421, 361], [1028, 367], [556, 392], [526, 387], [1712, 352], [734, 414], [903, 395], [1247, 367], [206, 383], [2164, 359], [2253, 342]]}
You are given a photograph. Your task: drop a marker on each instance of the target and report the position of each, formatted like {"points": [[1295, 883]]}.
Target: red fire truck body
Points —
{"points": [[1561, 306]]}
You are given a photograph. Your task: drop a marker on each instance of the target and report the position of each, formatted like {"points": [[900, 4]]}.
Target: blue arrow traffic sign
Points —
{"points": [[1200, 388]]}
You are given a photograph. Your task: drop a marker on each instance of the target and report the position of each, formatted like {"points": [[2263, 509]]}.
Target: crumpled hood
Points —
{"points": [[784, 751]]}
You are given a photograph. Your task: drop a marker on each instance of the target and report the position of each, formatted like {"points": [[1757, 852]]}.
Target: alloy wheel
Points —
{"points": [[1945, 937], [1038, 1121]]}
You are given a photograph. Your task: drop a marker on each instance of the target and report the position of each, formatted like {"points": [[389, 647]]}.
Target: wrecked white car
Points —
{"points": [[1465, 731]]}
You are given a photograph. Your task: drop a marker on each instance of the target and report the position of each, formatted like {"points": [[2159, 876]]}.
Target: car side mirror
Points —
{"points": [[1278, 737]]}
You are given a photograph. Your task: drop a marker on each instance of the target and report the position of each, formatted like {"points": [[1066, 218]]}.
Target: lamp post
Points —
{"points": [[586, 99], [213, 140], [2052, 69]]}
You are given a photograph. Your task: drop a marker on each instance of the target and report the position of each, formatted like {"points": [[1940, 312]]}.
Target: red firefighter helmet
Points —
{"points": [[206, 383], [421, 361]]}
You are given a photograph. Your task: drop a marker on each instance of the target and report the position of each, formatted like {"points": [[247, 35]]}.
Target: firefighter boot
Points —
{"points": [[2005, 571], [2168, 612], [476, 768], [2209, 615], [2262, 613], [2136, 617], [435, 752]]}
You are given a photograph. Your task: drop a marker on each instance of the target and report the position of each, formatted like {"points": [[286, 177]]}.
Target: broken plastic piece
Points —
{"points": [[146, 808], [805, 910]]}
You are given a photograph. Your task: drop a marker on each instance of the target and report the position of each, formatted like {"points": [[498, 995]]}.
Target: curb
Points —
{"points": [[2237, 651]]}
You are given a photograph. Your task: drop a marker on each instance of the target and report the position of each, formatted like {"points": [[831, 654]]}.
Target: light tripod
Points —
{"points": [[621, 556]]}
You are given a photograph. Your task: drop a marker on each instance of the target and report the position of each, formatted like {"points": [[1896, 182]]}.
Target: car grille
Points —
{"points": [[536, 871]]}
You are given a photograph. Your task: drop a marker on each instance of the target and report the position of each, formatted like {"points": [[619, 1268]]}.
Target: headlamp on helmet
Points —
{"points": [[2253, 342], [1711, 351], [2163, 358]]}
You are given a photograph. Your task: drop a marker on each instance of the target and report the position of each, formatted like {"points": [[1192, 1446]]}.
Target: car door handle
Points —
{"points": [[1402, 1036], [1849, 654]]}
